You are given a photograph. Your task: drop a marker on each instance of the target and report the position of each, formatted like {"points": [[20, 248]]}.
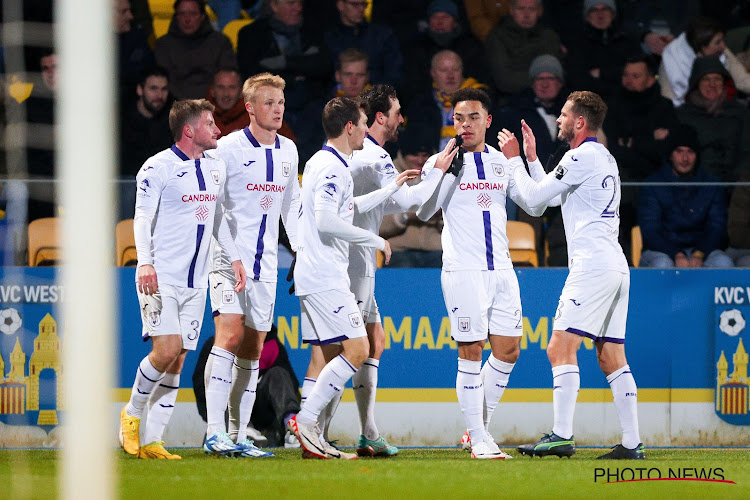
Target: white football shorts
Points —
{"points": [[594, 304], [363, 288], [257, 301], [173, 311], [482, 302], [329, 317]]}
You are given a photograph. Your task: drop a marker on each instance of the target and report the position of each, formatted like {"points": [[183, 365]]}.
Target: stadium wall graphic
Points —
{"points": [[687, 346]]}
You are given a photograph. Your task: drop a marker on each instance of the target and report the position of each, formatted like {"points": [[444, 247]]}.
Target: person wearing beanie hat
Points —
{"points": [[545, 63], [683, 226], [446, 6], [599, 7], [515, 42], [723, 124]]}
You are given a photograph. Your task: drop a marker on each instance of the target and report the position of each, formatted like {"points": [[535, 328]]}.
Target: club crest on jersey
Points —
{"points": [[215, 176], [266, 202], [355, 319], [498, 169], [560, 171], [484, 200], [464, 324], [201, 213], [227, 297], [286, 168]]}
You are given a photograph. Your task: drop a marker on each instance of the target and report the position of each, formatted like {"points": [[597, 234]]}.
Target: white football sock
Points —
{"points": [[495, 375], [146, 378], [566, 381], [330, 382], [625, 394], [242, 397], [218, 382], [327, 414], [470, 396], [161, 406], [307, 386], [365, 384]]}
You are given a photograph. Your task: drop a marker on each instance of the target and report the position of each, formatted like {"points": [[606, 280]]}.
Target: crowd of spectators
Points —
{"points": [[662, 66]]}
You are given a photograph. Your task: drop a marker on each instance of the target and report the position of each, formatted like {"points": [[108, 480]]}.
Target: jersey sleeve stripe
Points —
{"points": [[260, 247], [488, 239], [198, 239]]}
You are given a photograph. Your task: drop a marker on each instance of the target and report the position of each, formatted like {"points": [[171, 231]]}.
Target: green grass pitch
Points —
{"points": [[414, 473]]}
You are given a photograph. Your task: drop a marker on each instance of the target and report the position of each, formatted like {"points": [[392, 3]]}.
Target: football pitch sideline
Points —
{"points": [[414, 473]]}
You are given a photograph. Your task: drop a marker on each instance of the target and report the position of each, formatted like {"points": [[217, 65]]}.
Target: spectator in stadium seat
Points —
{"points": [[225, 93], [284, 44], [683, 226], [144, 131], [723, 124], [376, 40], [444, 32], [352, 77], [515, 42], [738, 225], [192, 51], [637, 125], [539, 105], [484, 15], [597, 54], [704, 37], [414, 243], [432, 109], [135, 55]]}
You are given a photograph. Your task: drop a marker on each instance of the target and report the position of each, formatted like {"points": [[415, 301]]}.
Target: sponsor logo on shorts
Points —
{"points": [[227, 297], [355, 319], [365, 315], [575, 303], [498, 169], [464, 324]]}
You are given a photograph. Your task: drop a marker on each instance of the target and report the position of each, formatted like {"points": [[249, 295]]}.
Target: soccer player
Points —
{"points": [[330, 314], [594, 300], [262, 186], [177, 209], [479, 285]]}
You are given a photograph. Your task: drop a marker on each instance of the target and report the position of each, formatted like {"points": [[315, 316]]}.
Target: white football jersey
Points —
{"points": [[183, 195], [474, 235], [591, 208], [371, 169], [262, 186], [322, 260]]}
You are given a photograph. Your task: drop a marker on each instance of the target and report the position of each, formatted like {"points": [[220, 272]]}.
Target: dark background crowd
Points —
{"points": [[674, 74]]}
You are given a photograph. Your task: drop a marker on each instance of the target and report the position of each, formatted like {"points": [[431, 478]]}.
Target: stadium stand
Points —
{"points": [[125, 244], [44, 246], [521, 244]]}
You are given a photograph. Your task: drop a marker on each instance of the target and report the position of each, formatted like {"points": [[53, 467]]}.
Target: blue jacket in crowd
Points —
{"points": [[675, 218]]}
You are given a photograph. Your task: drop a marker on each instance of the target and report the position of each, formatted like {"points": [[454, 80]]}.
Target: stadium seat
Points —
{"points": [[125, 244], [522, 244], [44, 246], [161, 26], [233, 27], [161, 9], [636, 245]]}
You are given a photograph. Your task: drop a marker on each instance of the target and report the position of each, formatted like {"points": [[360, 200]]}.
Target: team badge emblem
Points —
{"points": [[154, 318], [266, 202], [286, 168], [498, 169], [227, 297], [731, 339], [355, 319], [215, 176], [464, 324]]}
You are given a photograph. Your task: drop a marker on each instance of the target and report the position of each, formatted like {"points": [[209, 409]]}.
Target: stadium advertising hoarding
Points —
{"points": [[687, 345]]}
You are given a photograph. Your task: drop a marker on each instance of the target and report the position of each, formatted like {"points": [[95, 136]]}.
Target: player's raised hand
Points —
{"points": [[406, 175], [529, 141], [147, 282], [508, 143], [445, 157], [387, 252], [240, 275]]}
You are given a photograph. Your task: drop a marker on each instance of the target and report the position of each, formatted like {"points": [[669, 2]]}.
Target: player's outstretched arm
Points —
{"points": [[368, 201], [331, 224]]}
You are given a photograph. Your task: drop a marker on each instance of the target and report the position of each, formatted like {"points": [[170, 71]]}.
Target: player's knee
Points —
{"points": [[229, 334], [377, 345], [357, 352]]}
